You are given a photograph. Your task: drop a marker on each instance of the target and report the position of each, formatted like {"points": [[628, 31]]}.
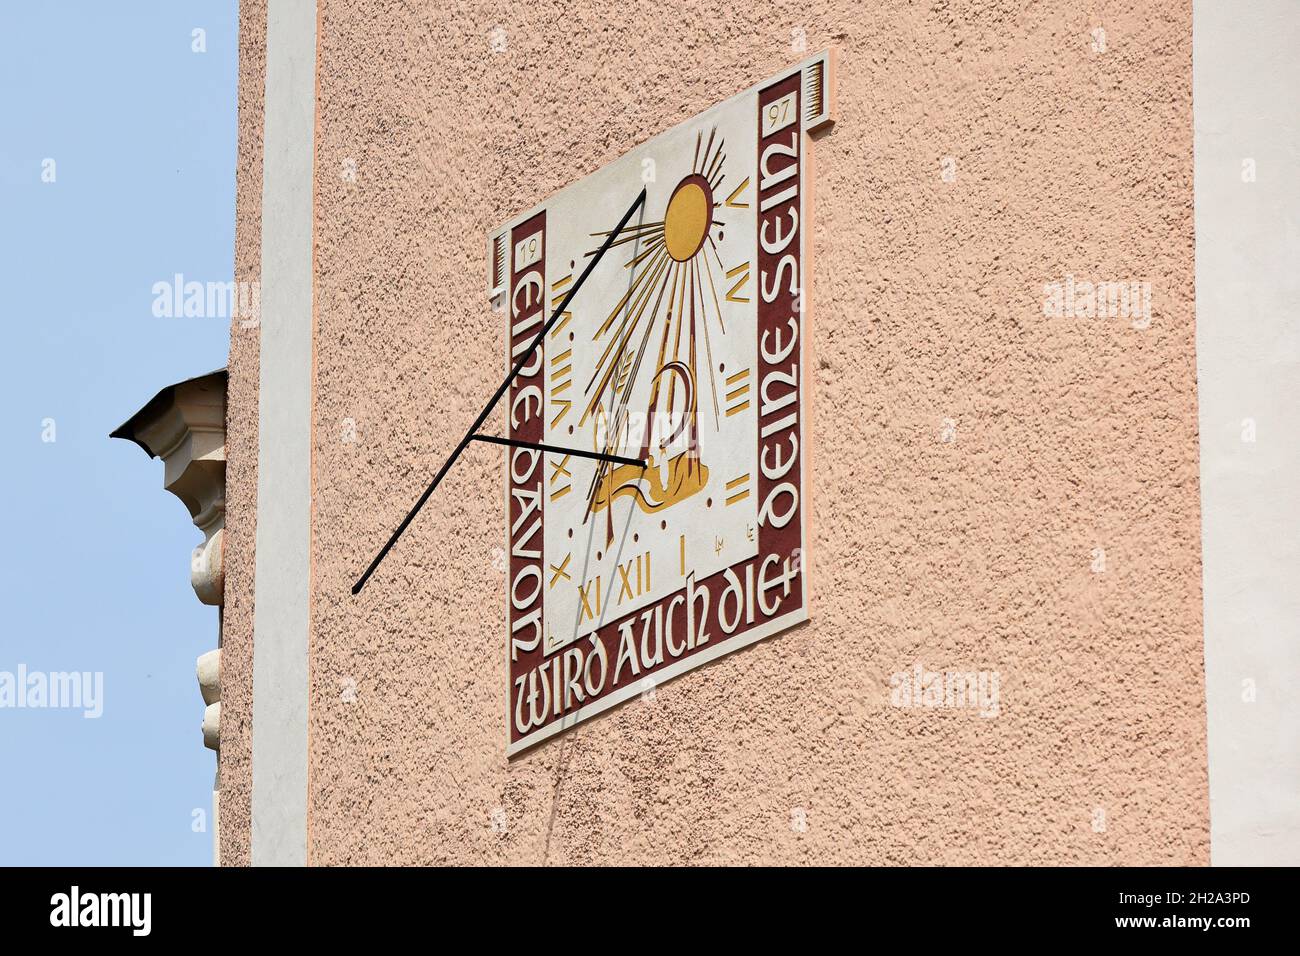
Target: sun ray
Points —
{"points": [[654, 389], [676, 277], [632, 314], [717, 162], [708, 348], [695, 339], [677, 332], [695, 287], [621, 410], [651, 246], [709, 148], [639, 227], [624, 240], [708, 271], [645, 338], [644, 237], [631, 318], [714, 246], [621, 302]]}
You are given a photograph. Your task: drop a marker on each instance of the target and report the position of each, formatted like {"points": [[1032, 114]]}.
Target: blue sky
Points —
{"points": [[96, 554]]}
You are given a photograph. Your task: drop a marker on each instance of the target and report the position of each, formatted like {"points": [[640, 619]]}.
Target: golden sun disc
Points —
{"points": [[688, 218]]}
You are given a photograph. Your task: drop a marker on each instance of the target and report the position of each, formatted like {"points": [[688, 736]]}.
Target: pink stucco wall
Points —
{"points": [[241, 454], [975, 553]]}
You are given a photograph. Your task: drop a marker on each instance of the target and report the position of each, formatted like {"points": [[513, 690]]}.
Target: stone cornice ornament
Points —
{"points": [[185, 426]]}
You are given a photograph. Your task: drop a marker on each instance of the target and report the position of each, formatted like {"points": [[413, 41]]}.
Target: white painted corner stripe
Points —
{"points": [[1245, 75], [282, 564]]}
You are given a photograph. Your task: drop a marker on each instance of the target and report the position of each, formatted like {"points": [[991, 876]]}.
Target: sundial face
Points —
{"points": [[684, 351]]}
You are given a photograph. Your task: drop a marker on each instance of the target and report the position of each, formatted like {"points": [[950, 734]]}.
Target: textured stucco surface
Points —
{"points": [[975, 553], [241, 451]]}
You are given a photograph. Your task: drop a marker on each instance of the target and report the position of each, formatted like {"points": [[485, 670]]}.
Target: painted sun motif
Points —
{"points": [[670, 311]]}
